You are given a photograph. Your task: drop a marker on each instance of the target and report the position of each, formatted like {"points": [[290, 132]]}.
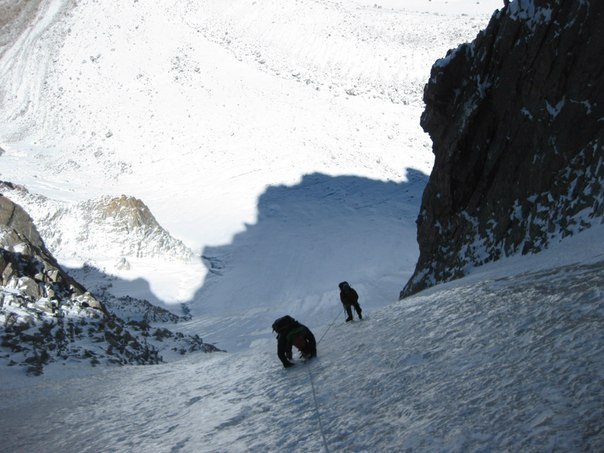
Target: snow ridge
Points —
{"points": [[123, 227]]}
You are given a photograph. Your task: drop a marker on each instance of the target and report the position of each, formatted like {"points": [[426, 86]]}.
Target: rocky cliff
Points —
{"points": [[46, 316], [517, 123], [26, 265]]}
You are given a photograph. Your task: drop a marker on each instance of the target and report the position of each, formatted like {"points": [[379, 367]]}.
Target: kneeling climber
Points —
{"points": [[291, 333]]}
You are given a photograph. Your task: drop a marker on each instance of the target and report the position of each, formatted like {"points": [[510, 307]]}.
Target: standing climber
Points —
{"points": [[349, 298], [291, 333]]}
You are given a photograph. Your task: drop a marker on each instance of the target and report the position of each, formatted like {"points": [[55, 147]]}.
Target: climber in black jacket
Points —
{"points": [[291, 333], [350, 298]]}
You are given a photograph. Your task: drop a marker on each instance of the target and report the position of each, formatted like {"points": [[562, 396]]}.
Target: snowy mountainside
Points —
{"points": [[199, 130], [15, 16], [152, 100], [46, 317], [508, 358], [115, 233], [126, 225], [355, 50]]}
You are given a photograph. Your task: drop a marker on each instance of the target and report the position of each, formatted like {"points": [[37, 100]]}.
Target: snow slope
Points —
{"points": [[507, 359], [285, 189], [196, 108]]}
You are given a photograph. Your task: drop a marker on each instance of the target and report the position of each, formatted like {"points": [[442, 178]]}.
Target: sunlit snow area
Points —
{"points": [[278, 144], [196, 108]]}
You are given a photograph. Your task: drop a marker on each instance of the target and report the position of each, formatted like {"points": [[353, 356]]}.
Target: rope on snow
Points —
{"points": [[314, 396], [328, 327], [314, 393]]}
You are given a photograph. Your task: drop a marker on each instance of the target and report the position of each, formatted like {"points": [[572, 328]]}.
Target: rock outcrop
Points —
{"points": [[517, 122], [26, 264], [129, 230], [46, 316]]}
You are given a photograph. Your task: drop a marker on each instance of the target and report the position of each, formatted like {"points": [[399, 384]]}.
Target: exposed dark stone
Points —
{"points": [[46, 316], [25, 259], [517, 122]]}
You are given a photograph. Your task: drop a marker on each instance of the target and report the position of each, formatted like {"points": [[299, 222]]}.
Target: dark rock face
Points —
{"points": [[46, 316], [25, 263], [517, 122]]}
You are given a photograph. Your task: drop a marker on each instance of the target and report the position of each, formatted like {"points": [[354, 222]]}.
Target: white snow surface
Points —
{"points": [[196, 108], [281, 142], [507, 359]]}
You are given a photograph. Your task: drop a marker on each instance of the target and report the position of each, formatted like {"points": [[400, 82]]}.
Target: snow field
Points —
{"points": [[198, 108], [507, 359], [291, 160]]}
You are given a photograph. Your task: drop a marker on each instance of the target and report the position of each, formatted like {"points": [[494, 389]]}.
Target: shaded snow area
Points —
{"points": [[307, 239], [509, 358]]}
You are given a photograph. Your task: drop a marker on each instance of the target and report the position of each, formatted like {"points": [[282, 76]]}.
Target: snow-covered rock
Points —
{"points": [[120, 229], [46, 316], [516, 121]]}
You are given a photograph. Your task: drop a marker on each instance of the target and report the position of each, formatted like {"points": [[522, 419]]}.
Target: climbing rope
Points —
{"points": [[328, 327], [314, 396], [314, 393]]}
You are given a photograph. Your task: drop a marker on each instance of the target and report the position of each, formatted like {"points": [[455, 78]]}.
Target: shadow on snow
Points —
{"points": [[308, 237]]}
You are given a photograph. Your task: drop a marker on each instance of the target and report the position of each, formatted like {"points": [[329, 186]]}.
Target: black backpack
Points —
{"points": [[344, 287], [284, 322]]}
